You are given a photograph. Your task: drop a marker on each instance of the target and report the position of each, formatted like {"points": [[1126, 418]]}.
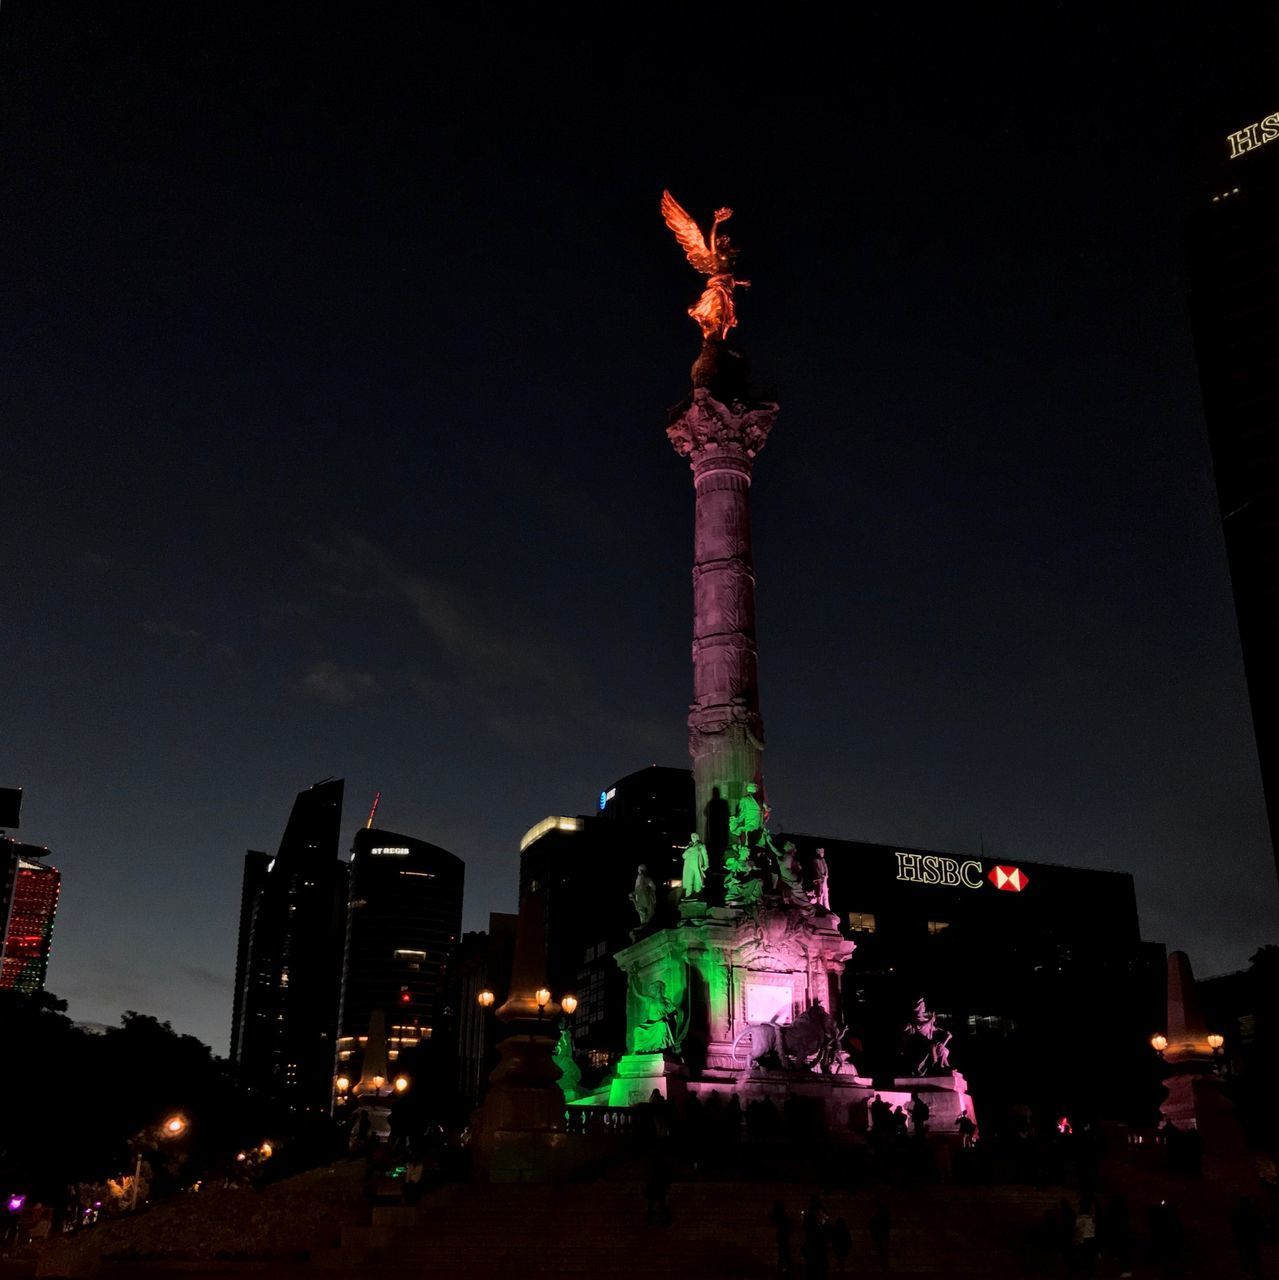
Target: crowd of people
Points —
{"points": [[824, 1239]]}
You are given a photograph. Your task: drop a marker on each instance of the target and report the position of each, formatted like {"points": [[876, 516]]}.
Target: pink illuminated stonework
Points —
{"points": [[720, 438]]}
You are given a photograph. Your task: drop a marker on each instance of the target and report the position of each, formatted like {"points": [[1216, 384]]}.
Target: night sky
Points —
{"points": [[336, 357]]}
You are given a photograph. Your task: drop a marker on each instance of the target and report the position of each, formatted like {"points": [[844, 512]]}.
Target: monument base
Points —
{"points": [[519, 1131], [842, 1101], [946, 1098]]}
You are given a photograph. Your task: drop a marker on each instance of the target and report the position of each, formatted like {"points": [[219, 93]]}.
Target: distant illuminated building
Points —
{"points": [[584, 869], [404, 918], [288, 958], [1234, 295], [29, 891]]}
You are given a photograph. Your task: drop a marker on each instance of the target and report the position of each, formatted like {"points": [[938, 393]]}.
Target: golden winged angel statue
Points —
{"points": [[714, 311]]}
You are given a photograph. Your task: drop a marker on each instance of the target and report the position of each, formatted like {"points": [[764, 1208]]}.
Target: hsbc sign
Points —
{"points": [[967, 873], [929, 868]]}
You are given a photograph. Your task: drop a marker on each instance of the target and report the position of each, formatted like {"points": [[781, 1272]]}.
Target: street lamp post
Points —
{"points": [[174, 1127]]}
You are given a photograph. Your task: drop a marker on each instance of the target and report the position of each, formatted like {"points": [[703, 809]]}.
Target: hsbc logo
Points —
{"points": [[1009, 879], [930, 868]]}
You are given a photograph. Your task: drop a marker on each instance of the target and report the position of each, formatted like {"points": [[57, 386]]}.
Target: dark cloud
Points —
{"points": [[342, 686], [208, 978]]}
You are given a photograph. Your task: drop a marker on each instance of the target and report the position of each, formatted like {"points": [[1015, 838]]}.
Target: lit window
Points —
{"points": [[539, 829], [990, 1024], [862, 921], [938, 926]]}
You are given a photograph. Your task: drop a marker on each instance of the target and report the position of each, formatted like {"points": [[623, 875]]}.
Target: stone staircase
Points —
{"points": [[720, 1229]]}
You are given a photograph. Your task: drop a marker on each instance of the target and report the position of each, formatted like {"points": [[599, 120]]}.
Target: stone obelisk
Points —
{"points": [[720, 429]]}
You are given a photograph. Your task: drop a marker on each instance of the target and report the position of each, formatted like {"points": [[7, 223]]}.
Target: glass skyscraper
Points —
{"points": [[404, 918], [289, 955]]}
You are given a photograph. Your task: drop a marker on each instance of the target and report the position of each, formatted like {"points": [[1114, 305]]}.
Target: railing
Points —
{"points": [[618, 1121]]}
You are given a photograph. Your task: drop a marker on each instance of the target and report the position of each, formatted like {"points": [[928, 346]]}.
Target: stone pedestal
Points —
{"points": [[521, 1125], [946, 1098], [1194, 1097], [637, 1075], [723, 970], [519, 1131]]}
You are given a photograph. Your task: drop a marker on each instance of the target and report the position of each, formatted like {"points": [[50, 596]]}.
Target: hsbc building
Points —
{"points": [[1020, 959]]}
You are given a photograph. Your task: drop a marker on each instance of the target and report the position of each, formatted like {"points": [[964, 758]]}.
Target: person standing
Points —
{"points": [[1085, 1240], [816, 1264], [1114, 1234], [881, 1226], [841, 1243], [656, 1190], [1245, 1226], [919, 1113], [781, 1228]]}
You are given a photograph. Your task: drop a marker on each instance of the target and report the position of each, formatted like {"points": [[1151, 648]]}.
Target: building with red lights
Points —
{"points": [[403, 922], [29, 891]]}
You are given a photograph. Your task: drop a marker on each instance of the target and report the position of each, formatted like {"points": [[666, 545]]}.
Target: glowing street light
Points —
{"points": [[543, 998], [569, 1004], [266, 1151], [342, 1083], [401, 1084], [1215, 1041], [1158, 1042], [174, 1127], [485, 999]]}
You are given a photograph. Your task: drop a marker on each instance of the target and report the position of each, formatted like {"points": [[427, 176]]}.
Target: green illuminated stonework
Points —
{"points": [[695, 986]]}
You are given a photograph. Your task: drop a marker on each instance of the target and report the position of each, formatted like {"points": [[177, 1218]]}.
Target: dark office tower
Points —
{"points": [[584, 868], [1234, 279], [289, 955], [255, 865], [404, 917], [482, 962], [28, 903]]}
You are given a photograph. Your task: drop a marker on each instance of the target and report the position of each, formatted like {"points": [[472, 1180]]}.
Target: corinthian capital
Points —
{"points": [[703, 423]]}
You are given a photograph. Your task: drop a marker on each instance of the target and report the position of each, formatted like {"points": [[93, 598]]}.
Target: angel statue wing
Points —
{"points": [[690, 238]]}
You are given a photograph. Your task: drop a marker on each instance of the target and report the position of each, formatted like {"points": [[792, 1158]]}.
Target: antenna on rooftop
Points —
{"points": [[373, 810]]}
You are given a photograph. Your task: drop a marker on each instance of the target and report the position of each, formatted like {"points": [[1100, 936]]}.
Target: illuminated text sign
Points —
{"points": [[928, 868], [1253, 136], [389, 851]]}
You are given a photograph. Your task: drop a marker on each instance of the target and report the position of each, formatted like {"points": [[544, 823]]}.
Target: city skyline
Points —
{"points": [[340, 453]]}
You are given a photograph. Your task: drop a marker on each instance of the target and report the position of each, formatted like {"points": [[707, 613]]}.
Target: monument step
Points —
{"points": [[724, 1229]]}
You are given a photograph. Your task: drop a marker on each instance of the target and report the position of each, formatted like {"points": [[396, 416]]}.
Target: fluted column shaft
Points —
{"points": [[725, 728]]}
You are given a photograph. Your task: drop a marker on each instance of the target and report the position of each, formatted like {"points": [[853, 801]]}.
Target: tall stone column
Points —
{"points": [[720, 431]]}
